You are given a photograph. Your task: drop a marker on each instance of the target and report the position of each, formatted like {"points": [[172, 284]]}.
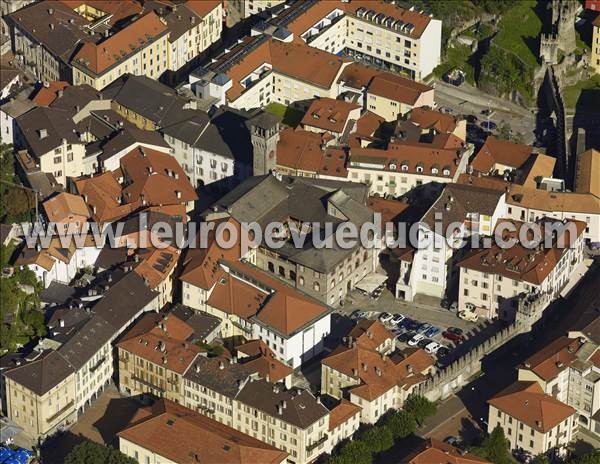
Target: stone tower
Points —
{"points": [[549, 48], [264, 135], [563, 20]]}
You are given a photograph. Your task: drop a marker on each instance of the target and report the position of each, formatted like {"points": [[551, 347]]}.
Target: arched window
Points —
{"points": [[271, 267], [316, 287]]}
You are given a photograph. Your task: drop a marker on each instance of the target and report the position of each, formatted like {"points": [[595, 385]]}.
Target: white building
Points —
{"points": [[460, 212]]}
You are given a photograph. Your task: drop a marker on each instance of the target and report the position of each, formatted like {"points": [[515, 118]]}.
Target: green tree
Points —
{"points": [[420, 408], [401, 424], [591, 458], [356, 452], [15, 203], [495, 448], [89, 452], [541, 459], [378, 438]]}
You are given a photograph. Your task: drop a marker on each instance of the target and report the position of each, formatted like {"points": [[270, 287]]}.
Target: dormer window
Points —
{"points": [[446, 171], [404, 167], [393, 166], [434, 170], [315, 116], [420, 167]]}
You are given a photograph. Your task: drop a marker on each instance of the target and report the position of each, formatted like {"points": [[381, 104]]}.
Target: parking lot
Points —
{"points": [[432, 323]]}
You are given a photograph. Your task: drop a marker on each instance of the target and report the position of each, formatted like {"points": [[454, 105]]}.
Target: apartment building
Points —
{"points": [[254, 305], [568, 369], [373, 380], [142, 48], [391, 96], [170, 433], [595, 58], [50, 138], [406, 165], [380, 33], [53, 263], [334, 118], [40, 394], [263, 69], [328, 273], [293, 421], [193, 27], [45, 36], [69, 212], [154, 355], [434, 450], [498, 157], [459, 212], [492, 279], [305, 153], [532, 421], [157, 269], [432, 122]]}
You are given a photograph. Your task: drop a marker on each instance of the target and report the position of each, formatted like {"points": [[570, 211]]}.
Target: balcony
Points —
{"points": [[55, 416], [147, 384], [98, 364], [320, 441]]}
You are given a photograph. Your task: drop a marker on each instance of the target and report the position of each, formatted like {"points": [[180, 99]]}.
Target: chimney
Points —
{"points": [[284, 404], [409, 369], [61, 322], [178, 194], [221, 365], [364, 366], [280, 410], [197, 368]]}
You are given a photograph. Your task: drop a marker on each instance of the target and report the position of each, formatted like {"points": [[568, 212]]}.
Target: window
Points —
{"points": [[57, 159], [69, 157], [316, 287]]}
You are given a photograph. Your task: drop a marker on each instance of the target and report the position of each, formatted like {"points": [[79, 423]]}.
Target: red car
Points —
{"points": [[453, 337]]}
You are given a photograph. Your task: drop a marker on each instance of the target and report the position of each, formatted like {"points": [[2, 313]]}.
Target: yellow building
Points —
{"points": [[595, 60], [154, 360], [40, 395], [532, 420], [141, 48]]}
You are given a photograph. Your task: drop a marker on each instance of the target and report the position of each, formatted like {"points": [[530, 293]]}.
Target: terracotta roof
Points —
{"points": [[342, 413], [436, 452], [389, 209], [377, 373], [260, 358], [165, 344], [46, 95], [587, 175], [102, 194], [296, 60], [328, 114], [279, 306], [204, 7], [502, 152], [545, 200], [99, 58], [370, 334], [158, 265], [554, 358], [418, 20], [536, 167], [64, 206], [595, 358], [155, 178], [397, 88], [527, 403], [412, 155], [201, 264], [46, 257], [426, 118], [519, 262], [182, 435]]}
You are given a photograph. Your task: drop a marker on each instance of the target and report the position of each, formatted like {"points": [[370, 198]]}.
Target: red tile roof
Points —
{"points": [[502, 152], [99, 58], [437, 452], [182, 435], [397, 88], [342, 413], [46, 95], [527, 403], [554, 358], [328, 114]]}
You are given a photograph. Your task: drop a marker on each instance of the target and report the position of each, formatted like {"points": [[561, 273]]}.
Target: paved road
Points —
{"points": [[467, 99]]}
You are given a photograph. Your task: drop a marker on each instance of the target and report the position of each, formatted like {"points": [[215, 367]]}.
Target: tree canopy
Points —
{"points": [[89, 452], [495, 448]]}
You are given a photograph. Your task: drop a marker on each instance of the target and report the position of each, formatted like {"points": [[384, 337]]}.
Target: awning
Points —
{"points": [[371, 282]]}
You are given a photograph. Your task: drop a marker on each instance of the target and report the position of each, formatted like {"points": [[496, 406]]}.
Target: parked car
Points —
{"points": [[423, 343], [405, 336], [454, 306], [445, 303], [443, 352], [455, 330], [416, 339], [453, 337], [397, 319], [451, 440], [486, 112], [472, 119], [409, 324], [385, 317], [357, 314], [424, 327], [468, 316], [489, 125], [432, 331], [433, 347]]}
